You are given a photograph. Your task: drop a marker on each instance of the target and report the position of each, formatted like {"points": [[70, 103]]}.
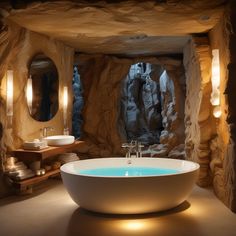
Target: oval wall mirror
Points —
{"points": [[42, 88]]}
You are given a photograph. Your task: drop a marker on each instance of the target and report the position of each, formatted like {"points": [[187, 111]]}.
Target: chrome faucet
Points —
{"points": [[139, 147], [133, 147], [45, 130], [129, 147]]}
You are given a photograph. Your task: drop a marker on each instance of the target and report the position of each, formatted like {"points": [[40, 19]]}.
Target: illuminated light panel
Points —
{"points": [[29, 94], [10, 91], [65, 103]]}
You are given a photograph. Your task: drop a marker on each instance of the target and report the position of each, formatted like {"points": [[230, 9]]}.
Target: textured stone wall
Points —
{"points": [[172, 87], [173, 113], [10, 44], [11, 38], [130, 27], [24, 126], [17, 47], [102, 78], [211, 141], [230, 163], [141, 104], [198, 119], [223, 158]]}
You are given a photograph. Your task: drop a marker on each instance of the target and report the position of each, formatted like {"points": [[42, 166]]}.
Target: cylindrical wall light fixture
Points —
{"points": [[215, 69], [215, 81], [9, 95], [65, 104], [215, 78], [29, 94]]}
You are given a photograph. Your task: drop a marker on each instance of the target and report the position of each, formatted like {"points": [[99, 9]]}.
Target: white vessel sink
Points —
{"points": [[59, 140]]}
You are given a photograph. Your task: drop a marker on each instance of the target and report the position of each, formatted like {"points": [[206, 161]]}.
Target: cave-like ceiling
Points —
{"points": [[120, 27]]}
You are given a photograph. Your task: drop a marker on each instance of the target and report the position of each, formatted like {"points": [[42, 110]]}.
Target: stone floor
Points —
{"points": [[50, 211]]}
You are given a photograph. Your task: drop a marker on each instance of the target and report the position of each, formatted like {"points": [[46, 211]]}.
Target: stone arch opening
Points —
{"points": [[152, 108]]}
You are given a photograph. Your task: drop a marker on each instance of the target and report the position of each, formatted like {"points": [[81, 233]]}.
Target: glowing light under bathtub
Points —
{"points": [[133, 225]]}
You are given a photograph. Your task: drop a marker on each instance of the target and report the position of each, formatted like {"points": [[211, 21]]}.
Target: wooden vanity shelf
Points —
{"points": [[28, 156], [32, 155], [25, 184]]}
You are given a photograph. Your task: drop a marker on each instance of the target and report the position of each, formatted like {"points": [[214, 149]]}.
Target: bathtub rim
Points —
{"points": [[194, 167]]}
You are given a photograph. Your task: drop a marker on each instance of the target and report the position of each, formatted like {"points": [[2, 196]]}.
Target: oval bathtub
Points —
{"points": [[129, 194]]}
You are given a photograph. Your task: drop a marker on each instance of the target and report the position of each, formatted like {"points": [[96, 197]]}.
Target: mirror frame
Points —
{"points": [[45, 87]]}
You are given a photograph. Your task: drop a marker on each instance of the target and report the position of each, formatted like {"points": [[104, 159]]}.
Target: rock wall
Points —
{"points": [[141, 104], [211, 141], [102, 78], [17, 47], [10, 44], [128, 27], [78, 103], [198, 118], [63, 59], [223, 158], [172, 87], [168, 110], [173, 96]]}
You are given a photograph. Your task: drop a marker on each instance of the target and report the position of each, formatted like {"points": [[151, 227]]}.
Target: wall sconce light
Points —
{"points": [[9, 96], [65, 104], [29, 94], [215, 81]]}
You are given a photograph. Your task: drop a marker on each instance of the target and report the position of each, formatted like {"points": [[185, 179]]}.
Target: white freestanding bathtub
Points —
{"points": [[129, 194]]}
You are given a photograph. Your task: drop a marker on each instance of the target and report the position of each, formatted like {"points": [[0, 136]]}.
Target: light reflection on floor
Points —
{"points": [[87, 223], [50, 211], [134, 225]]}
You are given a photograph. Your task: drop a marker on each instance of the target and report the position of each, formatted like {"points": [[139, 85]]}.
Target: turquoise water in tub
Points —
{"points": [[127, 171]]}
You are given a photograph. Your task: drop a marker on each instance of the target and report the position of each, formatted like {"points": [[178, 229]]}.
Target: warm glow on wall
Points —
{"points": [[217, 112], [29, 94], [215, 81], [9, 94], [215, 98]]}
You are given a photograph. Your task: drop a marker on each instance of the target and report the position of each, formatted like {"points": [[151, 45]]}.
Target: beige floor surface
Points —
{"points": [[50, 211]]}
